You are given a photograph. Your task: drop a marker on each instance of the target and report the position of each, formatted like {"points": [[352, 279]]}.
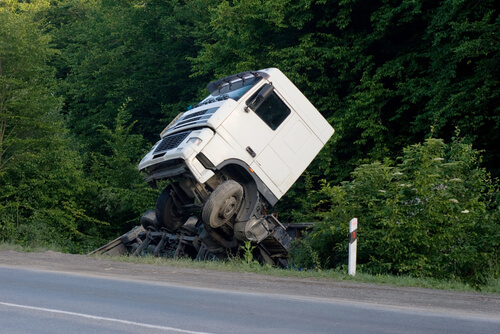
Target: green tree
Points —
{"points": [[24, 77], [121, 194], [114, 52], [41, 176]]}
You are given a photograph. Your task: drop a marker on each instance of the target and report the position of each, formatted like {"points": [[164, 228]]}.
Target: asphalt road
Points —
{"points": [[37, 301]]}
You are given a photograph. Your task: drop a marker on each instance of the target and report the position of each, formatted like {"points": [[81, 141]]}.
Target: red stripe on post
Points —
{"points": [[352, 236]]}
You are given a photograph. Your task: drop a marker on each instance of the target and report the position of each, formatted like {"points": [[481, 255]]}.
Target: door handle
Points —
{"points": [[251, 152]]}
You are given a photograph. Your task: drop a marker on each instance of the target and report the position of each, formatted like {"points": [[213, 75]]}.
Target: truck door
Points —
{"points": [[291, 148], [257, 127], [293, 145]]}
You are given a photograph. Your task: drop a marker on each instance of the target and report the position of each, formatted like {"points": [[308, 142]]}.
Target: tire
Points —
{"points": [[222, 204], [167, 214]]}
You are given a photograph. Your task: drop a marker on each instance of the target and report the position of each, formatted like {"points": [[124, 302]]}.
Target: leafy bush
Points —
{"points": [[435, 214]]}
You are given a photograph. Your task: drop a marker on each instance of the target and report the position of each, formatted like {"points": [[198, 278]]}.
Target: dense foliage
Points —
{"points": [[87, 85], [433, 214]]}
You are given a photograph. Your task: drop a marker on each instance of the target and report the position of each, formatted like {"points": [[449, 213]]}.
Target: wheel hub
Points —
{"points": [[228, 209]]}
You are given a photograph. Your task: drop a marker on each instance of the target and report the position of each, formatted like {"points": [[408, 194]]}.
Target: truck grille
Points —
{"points": [[171, 141], [194, 119], [196, 114]]}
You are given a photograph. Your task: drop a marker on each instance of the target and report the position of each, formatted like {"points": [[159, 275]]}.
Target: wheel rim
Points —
{"points": [[223, 204], [228, 209]]}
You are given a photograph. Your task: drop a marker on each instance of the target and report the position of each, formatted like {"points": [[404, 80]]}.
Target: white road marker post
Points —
{"points": [[353, 243]]}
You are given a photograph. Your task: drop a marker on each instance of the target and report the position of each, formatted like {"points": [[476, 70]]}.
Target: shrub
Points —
{"points": [[435, 214]]}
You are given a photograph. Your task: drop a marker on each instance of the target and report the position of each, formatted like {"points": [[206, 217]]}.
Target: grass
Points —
{"points": [[337, 275], [29, 249]]}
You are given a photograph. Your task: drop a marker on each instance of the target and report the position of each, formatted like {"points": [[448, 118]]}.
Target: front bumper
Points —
{"points": [[175, 154]]}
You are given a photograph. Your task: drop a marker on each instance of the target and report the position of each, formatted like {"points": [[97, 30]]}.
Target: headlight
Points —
{"points": [[194, 140]]}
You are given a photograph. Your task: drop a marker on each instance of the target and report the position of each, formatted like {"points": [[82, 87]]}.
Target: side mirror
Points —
{"points": [[256, 101]]}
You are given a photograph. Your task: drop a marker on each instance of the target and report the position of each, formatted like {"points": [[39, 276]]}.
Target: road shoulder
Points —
{"points": [[457, 303]]}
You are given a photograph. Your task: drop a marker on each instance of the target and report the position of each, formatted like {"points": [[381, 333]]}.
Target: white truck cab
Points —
{"points": [[236, 153]]}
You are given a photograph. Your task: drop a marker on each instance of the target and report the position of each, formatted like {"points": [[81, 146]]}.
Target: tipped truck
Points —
{"points": [[227, 161]]}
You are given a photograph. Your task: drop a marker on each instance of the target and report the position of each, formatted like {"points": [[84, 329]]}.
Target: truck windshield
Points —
{"points": [[233, 90]]}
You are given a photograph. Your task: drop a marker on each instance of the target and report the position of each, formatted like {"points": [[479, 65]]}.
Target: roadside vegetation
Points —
{"points": [[410, 87], [433, 213]]}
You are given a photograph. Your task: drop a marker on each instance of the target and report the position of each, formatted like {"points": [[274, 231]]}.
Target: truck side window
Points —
{"points": [[273, 111]]}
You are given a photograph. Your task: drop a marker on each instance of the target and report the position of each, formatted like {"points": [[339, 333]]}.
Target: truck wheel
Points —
{"points": [[167, 213], [223, 203]]}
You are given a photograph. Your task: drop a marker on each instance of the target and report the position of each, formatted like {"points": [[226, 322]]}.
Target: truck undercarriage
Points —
{"points": [[193, 240]]}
